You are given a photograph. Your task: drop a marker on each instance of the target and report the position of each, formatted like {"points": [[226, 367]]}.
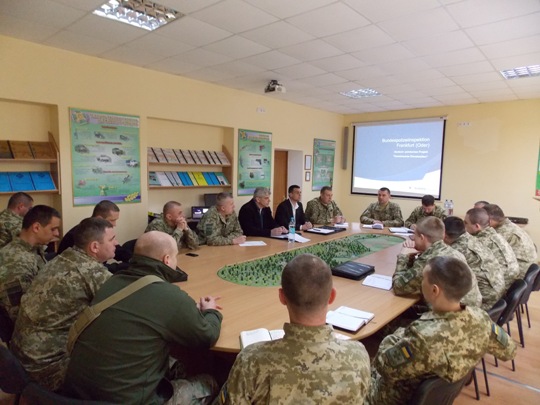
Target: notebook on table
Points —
{"points": [[353, 270], [326, 229]]}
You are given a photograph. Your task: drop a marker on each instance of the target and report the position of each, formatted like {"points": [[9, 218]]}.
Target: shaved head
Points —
{"points": [[156, 245]]}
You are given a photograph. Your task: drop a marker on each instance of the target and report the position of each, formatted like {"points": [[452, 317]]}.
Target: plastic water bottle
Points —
{"points": [[451, 208], [292, 230], [447, 207]]}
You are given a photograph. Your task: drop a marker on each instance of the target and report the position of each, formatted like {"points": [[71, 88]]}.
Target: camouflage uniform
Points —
{"points": [[318, 213], [520, 242], [447, 345], [19, 264], [186, 238], [10, 226], [502, 252], [389, 214], [407, 278], [484, 265], [215, 230], [308, 366], [59, 293], [418, 213]]}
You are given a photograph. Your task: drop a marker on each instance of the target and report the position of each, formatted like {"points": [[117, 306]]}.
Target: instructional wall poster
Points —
{"points": [[254, 160], [105, 157], [324, 152]]}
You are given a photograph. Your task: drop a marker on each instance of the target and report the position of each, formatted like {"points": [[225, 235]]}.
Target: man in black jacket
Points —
{"points": [[292, 207], [255, 216]]}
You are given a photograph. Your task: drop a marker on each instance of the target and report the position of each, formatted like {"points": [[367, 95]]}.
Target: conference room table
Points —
{"points": [[248, 308]]}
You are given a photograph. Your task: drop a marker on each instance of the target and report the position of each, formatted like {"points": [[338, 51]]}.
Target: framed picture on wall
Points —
{"points": [[307, 176], [307, 162]]}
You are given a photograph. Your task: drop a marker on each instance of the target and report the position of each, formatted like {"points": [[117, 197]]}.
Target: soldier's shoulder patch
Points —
{"points": [[222, 397], [499, 332], [399, 355]]}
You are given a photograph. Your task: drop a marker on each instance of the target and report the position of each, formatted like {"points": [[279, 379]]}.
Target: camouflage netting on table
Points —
{"points": [[266, 272]]}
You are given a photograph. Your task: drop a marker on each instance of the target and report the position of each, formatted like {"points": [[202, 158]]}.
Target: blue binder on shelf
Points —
{"points": [[5, 186], [42, 181], [21, 181]]}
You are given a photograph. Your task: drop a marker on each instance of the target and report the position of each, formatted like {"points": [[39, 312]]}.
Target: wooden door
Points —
{"points": [[279, 189]]}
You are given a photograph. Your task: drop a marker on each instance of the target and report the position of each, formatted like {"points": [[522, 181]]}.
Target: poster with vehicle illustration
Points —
{"points": [[105, 156]]}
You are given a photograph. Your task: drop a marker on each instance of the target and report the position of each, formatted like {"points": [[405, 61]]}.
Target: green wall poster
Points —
{"points": [[254, 160], [323, 163], [105, 157]]}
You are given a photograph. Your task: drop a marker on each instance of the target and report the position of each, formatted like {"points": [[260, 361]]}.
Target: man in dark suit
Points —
{"points": [[255, 216], [292, 207]]}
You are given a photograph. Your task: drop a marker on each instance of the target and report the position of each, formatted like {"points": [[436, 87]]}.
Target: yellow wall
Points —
{"points": [[494, 158]]}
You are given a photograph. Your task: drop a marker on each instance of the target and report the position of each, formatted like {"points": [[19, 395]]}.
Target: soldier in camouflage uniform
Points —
{"points": [[323, 210], [172, 222], [428, 240], [427, 209], [23, 257], [477, 224], [309, 365], [219, 226], [58, 294], [519, 240], [446, 342], [11, 218], [383, 211], [481, 261]]}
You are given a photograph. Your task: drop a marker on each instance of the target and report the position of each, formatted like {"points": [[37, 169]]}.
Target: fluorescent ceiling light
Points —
{"points": [[521, 72], [360, 93], [139, 13]]}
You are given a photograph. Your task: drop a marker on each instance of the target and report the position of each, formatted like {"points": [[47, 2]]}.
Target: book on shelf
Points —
{"points": [[248, 337], [185, 179], [20, 150], [200, 178], [187, 156], [209, 157], [193, 179], [180, 157], [223, 158], [42, 150], [208, 178], [21, 181], [202, 157], [153, 179], [222, 179], [160, 155], [177, 178], [195, 157], [42, 181], [5, 185], [171, 178], [151, 155], [170, 155], [214, 178], [348, 318], [163, 179], [5, 150], [215, 157]]}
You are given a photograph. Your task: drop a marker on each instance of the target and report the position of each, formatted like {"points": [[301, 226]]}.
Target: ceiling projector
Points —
{"points": [[275, 86]]}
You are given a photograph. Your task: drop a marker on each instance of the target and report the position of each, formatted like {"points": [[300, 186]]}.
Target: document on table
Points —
{"points": [[378, 281], [348, 318], [373, 226], [253, 243], [249, 337], [343, 225], [297, 237], [321, 230], [401, 229]]}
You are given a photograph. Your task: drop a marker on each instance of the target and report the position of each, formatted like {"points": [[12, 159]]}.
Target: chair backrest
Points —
{"points": [[496, 310], [13, 378], [530, 279], [512, 298], [36, 395], [6, 326], [435, 390]]}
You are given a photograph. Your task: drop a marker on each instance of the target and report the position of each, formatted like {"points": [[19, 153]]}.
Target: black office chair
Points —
{"points": [[512, 298], [13, 378], [531, 278], [37, 395], [6, 326], [435, 390], [495, 314]]}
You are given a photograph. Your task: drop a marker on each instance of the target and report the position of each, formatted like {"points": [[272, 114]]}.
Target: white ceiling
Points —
{"points": [[417, 53]]}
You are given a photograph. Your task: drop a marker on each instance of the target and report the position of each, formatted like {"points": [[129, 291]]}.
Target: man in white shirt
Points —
{"points": [[292, 207]]}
